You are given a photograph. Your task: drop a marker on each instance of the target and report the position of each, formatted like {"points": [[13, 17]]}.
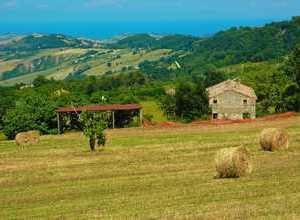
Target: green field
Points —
{"points": [[152, 108], [248, 69], [76, 58], [153, 173]]}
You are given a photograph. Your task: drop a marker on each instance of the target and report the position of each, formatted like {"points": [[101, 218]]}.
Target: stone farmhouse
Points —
{"points": [[232, 100]]}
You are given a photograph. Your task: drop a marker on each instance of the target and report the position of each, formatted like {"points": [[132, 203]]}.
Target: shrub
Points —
{"points": [[94, 125]]}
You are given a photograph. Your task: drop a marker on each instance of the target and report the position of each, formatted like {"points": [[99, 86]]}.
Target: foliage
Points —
{"points": [[145, 41], [94, 125], [156, 71], [291, 98], [291, 94], [37, 42], [190, 102], [292, 65], [7, 101], [33, 112], [168, 105], [239, 45], [269, 87]]}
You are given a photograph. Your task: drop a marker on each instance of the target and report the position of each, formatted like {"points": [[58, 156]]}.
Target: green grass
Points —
{"points": [[242, 70], [2, 136], [153, 173], [152, 108], [100, 67]]}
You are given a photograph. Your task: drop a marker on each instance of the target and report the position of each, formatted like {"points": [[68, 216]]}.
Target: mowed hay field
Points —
{"points": [[152, 173]]}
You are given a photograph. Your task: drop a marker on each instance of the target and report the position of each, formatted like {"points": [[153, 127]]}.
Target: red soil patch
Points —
{"points": [[169, 124], [265, 118], [160, 124], [273, 117], [222, 122]]}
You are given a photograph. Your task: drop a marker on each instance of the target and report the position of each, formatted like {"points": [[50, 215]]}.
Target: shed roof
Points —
{"points": [[116, 107], [231, 85]]}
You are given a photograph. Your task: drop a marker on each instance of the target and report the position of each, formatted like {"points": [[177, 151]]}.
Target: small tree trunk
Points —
{"points": [[92, 143]]}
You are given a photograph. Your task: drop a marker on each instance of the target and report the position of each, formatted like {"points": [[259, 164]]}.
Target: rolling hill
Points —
{"points": [[22, 58], [60, 57]]}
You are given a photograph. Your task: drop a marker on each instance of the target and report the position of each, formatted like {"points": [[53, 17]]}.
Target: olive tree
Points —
{"points": [[94, 125]]}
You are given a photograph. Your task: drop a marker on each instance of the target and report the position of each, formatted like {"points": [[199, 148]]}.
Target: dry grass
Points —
{"points": [[273, 139], [153, 173], [27, 138], [233, 162]]}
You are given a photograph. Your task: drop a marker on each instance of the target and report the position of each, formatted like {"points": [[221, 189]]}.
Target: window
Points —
{"points": [[215, 116], [245, 101], [215, 101]]}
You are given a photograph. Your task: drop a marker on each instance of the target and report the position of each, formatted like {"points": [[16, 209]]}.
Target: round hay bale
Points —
{"points": [[233, 162], [27, 138], [272, 139]]}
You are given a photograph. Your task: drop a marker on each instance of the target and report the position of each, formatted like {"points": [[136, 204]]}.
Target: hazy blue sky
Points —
{"points": [[146, 10]]}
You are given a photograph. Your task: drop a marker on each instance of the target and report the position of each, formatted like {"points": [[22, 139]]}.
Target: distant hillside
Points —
{"points": [[146, 41], [238, 45], [9, 38], [22, 58], [233, 46], [37, 41]]}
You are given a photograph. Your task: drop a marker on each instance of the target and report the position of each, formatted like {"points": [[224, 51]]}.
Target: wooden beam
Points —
{"points": [[113, 119], [141, 117]]}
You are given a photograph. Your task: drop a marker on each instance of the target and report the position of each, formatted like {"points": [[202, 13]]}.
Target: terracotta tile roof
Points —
{"points": [[231, 85], [116, 107]]}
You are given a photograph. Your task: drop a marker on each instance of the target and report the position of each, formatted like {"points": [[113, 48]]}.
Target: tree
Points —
{"points": [[34, 112], [168, 106], [94, 125], [292, 65], [291, 93], [7, 101], [291, 98], [191, 101], [39, 81]]}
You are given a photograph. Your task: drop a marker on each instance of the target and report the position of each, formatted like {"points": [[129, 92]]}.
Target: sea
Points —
{"points": [[105, 30]]}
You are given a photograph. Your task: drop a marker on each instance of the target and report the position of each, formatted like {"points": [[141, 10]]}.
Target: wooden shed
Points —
{"points": [[114, 110]]}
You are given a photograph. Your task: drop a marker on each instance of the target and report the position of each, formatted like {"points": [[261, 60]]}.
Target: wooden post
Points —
{"points": [[141, 117], [113, 119], [58, 123]]}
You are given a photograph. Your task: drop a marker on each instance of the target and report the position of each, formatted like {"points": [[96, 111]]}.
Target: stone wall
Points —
{"points": [[233, 105]]}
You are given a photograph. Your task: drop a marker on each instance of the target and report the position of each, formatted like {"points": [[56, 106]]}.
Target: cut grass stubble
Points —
{"points": [[150, 173]]}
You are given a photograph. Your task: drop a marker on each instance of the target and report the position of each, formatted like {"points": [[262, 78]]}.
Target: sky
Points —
{"points": [[145, 10], [106, 18]]}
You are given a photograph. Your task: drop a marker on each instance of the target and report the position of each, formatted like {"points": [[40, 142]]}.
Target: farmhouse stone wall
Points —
{"points": [[233, 105]]}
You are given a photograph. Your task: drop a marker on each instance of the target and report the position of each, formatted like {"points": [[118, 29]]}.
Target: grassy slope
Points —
{"points": [[98, 64], [127, 59], [242, 70], [48, 72], [153, 173], [152, 108]]}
